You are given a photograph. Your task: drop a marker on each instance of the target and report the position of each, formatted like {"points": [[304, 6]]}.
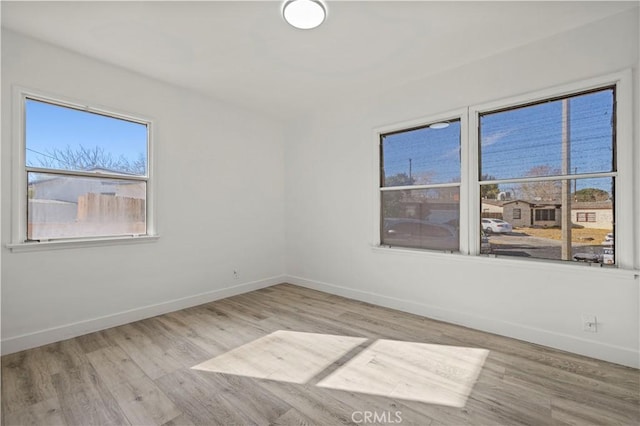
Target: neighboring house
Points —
{"points": [[63, 200], [132, 190], [522, 213], [597, 214], [56, 199], [65, 189], [517, 213], [69, 189], [52, 211]]}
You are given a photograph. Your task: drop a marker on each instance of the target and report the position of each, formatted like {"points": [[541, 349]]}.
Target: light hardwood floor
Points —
{"points": [[255, 364]]}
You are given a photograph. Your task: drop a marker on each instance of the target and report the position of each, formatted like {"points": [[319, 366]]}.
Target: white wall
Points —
{"points": [[330, 209], [221, 203], [220, 198]]}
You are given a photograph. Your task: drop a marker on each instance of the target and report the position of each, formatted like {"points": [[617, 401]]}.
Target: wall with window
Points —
{"points": [[332, 234], [593, 217], [219, 205]]}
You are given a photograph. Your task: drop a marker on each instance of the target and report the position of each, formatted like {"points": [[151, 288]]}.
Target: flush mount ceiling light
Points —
{"points": [[440, 125], [304, 14]]}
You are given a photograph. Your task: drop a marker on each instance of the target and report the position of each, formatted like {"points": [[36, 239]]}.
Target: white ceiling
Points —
{"points": [[244, 52]]}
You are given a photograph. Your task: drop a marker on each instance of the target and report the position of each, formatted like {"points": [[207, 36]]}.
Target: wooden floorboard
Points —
{"points": [[141, 373]]}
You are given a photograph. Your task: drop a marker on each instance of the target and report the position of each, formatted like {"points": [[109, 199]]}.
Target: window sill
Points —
{"points": [[531, 264], [71, 244]]}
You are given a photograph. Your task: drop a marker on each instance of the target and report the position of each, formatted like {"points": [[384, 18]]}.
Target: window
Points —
{"points": [[586, 217], [545, 163], [420, 187], [552, 154], [86, 172], [545, 215]]}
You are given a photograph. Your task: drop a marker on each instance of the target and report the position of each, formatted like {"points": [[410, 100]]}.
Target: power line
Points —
{"points": [[67, 163]]}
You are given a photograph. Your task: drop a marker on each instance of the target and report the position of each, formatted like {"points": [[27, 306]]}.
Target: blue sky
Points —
{"points": [[434, 154], [50, 127], [513, 143]]}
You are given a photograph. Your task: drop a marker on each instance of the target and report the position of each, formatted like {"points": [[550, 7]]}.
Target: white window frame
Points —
{"points": [[19, 241], [624, 196], [470, 214], [459, 114]]}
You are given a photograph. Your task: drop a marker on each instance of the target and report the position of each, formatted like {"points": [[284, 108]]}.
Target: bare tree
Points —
{"points": [[549, 190]]}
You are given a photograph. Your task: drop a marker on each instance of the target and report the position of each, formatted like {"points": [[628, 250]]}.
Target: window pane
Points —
{"points": [[527, 141], [424, 218], [69, 207], [535, 228], [421, 156], [64, 138]]}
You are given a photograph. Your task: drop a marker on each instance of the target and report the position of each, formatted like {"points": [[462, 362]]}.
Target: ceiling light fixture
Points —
{"points": [[304, 14], [440, 125]]}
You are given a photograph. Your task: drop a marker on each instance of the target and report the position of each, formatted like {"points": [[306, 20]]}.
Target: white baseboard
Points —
{"points": [[67, 331], [590, 348], [598, 350]]}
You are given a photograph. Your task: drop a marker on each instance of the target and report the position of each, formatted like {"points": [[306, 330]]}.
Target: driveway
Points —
{"points": [[522, 245]]}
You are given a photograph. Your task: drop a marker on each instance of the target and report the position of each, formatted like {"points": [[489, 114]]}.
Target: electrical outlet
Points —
{"points": [[590, 323], [236, 274]]}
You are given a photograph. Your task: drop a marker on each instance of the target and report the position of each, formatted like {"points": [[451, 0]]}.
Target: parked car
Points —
{"points": [[608, 239], [418, 233], [485, 245], [607, 256], [588, 257], [497, 226]]}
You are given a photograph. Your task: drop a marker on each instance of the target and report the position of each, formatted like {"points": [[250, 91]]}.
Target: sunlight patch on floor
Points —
{"points": [[435, 374], [288, 356]]}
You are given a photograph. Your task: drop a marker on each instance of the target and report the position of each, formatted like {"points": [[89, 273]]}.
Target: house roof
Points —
{"points": [[498, 203], [593, 205], [93, 169], [574, 205], [515, 201]]}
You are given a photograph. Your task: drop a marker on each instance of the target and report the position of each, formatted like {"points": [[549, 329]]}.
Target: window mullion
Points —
{"points": [[473, 191], [549, 178], [466, 173], [85, 174], [413, 187]]}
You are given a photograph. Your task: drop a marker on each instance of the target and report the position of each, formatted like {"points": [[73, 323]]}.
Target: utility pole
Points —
{"points": [[410, 179], [566, 184]]}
